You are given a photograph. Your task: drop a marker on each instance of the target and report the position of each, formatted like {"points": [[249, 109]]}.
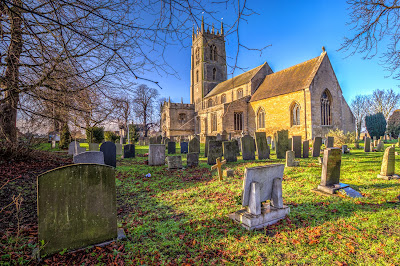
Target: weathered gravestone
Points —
{"points": [[158, 139], [380, 147], [290, 162], [388, 165], [375, 143], [282, 143], [194, 145], [53, 144], [345, 149], [75, 148], [171, 147], [156, 154], [174, 162], [208, 138], [229, 173], [331, 171], [93, 146], [224, 135], [214, 151], [296, 146], [316, 149], [119, 148], [262, 146], [129, 151], [110, 153], [356, 145], [306, 148], [229, 150], [236, 143], [367, 144], [330, 142], [218, 137], [76, 207], [192, 159], [184, 147], [89, 157], [260, 184], [248, 148]]}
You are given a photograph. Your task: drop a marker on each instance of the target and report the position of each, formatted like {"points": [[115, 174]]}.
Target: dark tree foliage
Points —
{"points": [[95, 134], [65, 137], [376, 125], [394, 124], [133, 133], [110, 136]]}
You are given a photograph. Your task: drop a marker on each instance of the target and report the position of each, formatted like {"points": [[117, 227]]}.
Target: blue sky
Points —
{"points": [[296, 31]]}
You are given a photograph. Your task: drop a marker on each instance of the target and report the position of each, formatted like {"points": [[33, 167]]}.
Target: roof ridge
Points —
{"points": [[289, 68]]}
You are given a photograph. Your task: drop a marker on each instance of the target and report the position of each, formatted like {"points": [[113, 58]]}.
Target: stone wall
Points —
{"points": [[170, 124]]}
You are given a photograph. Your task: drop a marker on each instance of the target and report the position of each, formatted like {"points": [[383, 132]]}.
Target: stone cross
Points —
{"points": [[388, 165], [218, 166]]}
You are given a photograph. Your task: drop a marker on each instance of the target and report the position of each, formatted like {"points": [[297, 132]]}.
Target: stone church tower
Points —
{"points": [[208, 66]]}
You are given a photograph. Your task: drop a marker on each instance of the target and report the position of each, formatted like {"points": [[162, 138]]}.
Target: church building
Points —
{"points": [[305, 99]]}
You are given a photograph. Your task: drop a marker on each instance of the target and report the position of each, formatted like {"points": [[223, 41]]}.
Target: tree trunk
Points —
{"points": [[8, 109]]}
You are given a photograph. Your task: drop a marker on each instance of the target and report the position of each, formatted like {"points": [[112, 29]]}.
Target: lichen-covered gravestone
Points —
{"points": [[248, 148], [330, 142], [184, 147], [316, 149], [236, 144], [192, 159], [129, 151], [229, 150], [171, 147], [296, 146], [306, 148], [282, 143], [380, 147], [89, 157], [194, 145], [208, 138], [110, 153], [76, 207], [262, 146], [367, 144], [156, 154], [74, 148], [174, 162], [331, 171], [214, 151], [388, 165], [260, 184]]}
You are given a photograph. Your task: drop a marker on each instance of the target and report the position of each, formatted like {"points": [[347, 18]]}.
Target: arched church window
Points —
{"points": [[214, 75], [197, 76], [210, 103], [197, 55], [295, 114], [261, 118], [326, 101], [223, 98], [182, 118], [239, 93], [213, 53]]}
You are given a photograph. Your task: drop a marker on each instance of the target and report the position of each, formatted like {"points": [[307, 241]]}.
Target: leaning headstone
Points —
{"points": [[248, 149], [129, 151], [119, 148], [184, 147], [388, 165], [208, 138], [316, 149], [89, 157], [262, 146], [282, 143], [110, 153], [194, 145], [331, 171], [214, 151], [290, 162], [74, 148], [171, 147], [306, 148], [93, 146], [174, 162], [296, 146], [192, 159], [229, 150], [73, 214], [330, 142], [156, 154], [260, 184]]}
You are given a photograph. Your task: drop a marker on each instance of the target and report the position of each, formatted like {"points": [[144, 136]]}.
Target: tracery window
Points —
{"points": [[295, 114], [326, 118], [261, 118], [197, 55], [182, 118], [213, 53]]}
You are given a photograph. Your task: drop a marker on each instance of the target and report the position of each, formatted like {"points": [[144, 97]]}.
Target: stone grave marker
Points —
{"points": [[345, 149], [153, 140], [229, 151], [110, 153], [156, 154], [192, 159], [316, 149], [236, 143], [158, 139], [388, 165], [93, 146], [262, 146], [282, 143], [356, 145], [119, 148], [260, 184], [208, 138], [184, 147], [224, 135], [214, 151], [73, 214], [89, 157], [74, 148], [218, 166], [306, 148], [380, 147], [194, 145], [229, 173], [171, 147], [53, 144], [331, 171], [174, 162], [248, 149], [290, 144], [218, 137], [129, 151], [290, 162], [296, 146], [330, 142]]}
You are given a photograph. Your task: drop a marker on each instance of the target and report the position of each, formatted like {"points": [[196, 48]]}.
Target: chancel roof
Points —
{"points": [[288, 80], [234, 82]]}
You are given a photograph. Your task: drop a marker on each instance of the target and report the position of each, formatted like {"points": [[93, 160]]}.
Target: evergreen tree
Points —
{"points": [[376, 125], [65, 137]]}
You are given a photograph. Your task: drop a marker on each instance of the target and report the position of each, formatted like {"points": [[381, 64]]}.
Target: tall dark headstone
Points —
{"points": [[171, 147], [296, 146], [330, 177], [129, 151], [262, 146], [330, 142], [208, 138], [248, 148], [184, 147], [229, 150], [282, 143], [236, 143], [214, 151], [316, 149], [194, 145], [110, 153], [192, 159], [306, 148]]}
